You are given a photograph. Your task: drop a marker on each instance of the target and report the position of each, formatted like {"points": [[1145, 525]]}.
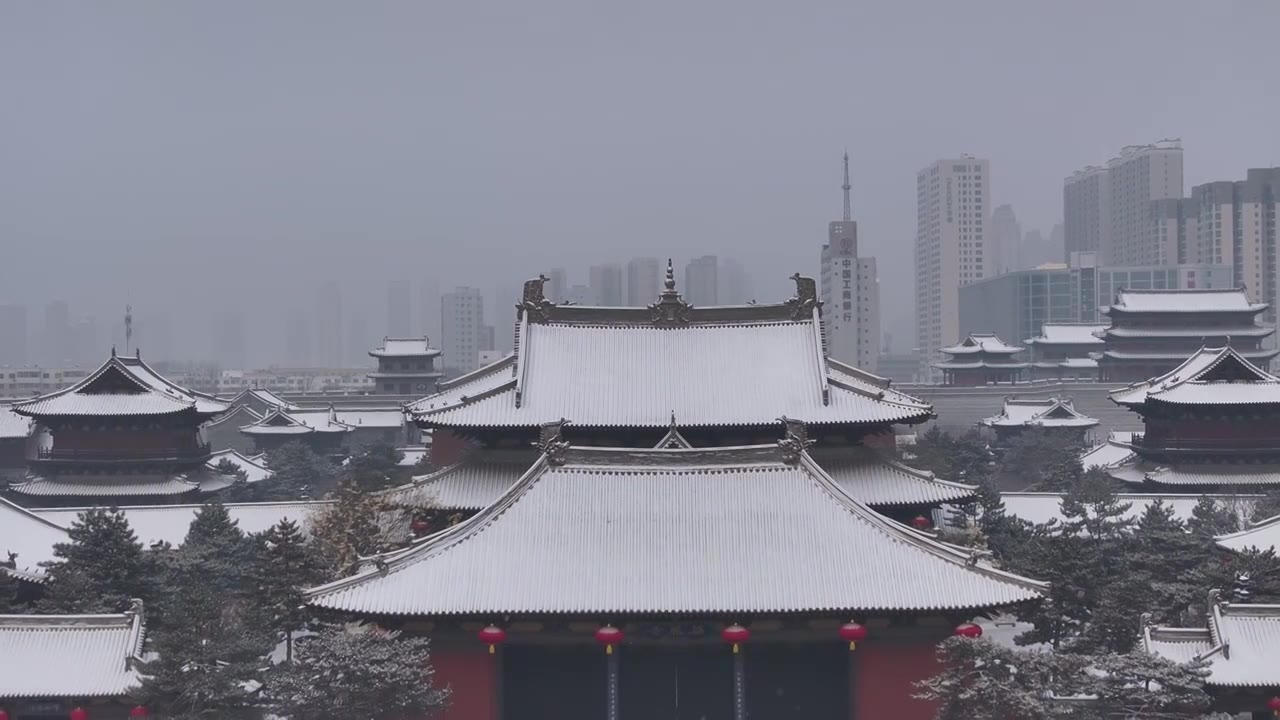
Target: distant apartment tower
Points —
{"points": [[701, 281], [606, 285], [463, 332], [733, 285], [1108, 209], [642, 281], [1006, 241], [399, 309], [850, 293], [952, 232]]}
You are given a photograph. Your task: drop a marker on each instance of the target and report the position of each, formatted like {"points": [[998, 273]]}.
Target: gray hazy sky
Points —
{"points": [[154, 152]]}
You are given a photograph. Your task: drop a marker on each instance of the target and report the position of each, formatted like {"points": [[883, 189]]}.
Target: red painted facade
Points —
{"points": [[885, 677], [471, 673], [447, 447]]}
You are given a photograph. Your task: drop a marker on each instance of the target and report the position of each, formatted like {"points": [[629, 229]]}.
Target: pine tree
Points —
{"points": [[375, 468], [981, 680], [1211, 518], [296, 473], [285, 566], [1039, 460], [1267, 507], [1141, 686], [357, 671], [100, 570]]}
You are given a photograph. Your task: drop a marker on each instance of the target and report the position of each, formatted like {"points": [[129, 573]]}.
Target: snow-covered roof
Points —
{"points": [[1198, 474], [634, 367], [411, 456], [76, 656], [260, 400], [1262, 536], [299, 422], [405, 347], [28, 538], [254, 470], [743, 529], [1039, 412], [1068, 334], [1115, 451], [1192, 331], [976, 343], [1184, 300], [876, 480], [1211, 376], [13, 425], [357, 418], [121, 386], [1041, 507], [238, 416], [119, 485], [1240, 642], [471, 484], [169, 523]]}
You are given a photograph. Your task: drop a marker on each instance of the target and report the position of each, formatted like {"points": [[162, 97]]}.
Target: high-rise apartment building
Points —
{"points": [[850, 292], [1108, 209], [733, 284], [606, 285], [399, 309], [952, 231], [702, 281], [464, 333], [643, 276]]}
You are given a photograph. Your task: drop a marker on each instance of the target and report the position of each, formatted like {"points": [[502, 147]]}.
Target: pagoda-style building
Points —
{"points": [[1153, 331], [1064, 351], [678, 512], [981, 359], [406, 366], [122, 435], [1213, 422], [1056, 416]]}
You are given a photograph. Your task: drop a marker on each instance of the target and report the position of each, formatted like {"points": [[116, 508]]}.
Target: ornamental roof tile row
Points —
{"points": [[77, 656], [1184, 301], [121, 386], [1239, 643], [122, 485], [621, 530], [1211, 376], [1039, 412]]}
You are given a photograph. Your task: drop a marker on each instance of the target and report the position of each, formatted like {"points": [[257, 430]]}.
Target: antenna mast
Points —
{"points": [[848, 207], [128, 328]]}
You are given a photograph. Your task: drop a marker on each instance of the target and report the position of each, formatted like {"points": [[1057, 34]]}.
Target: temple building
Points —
{"points": [[704, 497], [122, 435], [1212, 422], [1239, 642], [329, 431], [980, 359], [1153, 331], [1051, 415], [246, 408], [17, 437], [406, 366], [57, 664], [1063, 351]]}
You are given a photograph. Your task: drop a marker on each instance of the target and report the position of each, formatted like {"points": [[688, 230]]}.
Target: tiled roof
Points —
{"points": [[1241, 643], [982, 343], [1041, 507], [299, 422], [1191, 332], [471, 484], [362, 417], [1193, 301], [121, 386], [1259, 354], [169, 523], [1198, 474], [253, 469], [1040, 412], [13, 425], [237, 416], [125, 485], [404, 347], [76, 656], [876, 480], [477, 382], [1216, 376], [620, 530], [1263, 535], [1113, 452], [29, 537], [1068, 334]]}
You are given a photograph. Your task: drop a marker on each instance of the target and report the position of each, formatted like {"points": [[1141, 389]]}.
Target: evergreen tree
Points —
{"points": [[1267, 507], [1211, 518], [1039, 460], [285, 566], [1166, 560], [375, 468], [1141, 686], [981, 680], [357, 671], [9, 603], [351, 528], [100, 570], [296, 473]]}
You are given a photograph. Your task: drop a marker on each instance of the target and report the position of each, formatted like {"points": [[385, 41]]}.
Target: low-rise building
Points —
{"points": [[1065, 351], [979, 359], [406, 366], [1053, 415]]}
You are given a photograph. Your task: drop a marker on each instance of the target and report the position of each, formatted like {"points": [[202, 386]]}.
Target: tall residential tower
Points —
{"points": [[850, 292]]}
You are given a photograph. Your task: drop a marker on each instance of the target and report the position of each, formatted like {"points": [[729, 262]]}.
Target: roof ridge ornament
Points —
{"points": [[534, 302], [796, 440], [805, 299], [551, 442], [670, 310]]}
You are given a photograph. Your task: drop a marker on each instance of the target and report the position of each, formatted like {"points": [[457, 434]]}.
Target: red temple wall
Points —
{"points": [[447, 447], [885, 677], [472, 675]]}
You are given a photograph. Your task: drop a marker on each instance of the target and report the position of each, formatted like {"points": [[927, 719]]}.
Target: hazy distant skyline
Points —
{"points": [[236, 156]]}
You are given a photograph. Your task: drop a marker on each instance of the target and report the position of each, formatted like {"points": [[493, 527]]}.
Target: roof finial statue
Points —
{"points": [[670, 310], [535, 302], [669, 285], [551, 443], [806, 297], [796, 440]]}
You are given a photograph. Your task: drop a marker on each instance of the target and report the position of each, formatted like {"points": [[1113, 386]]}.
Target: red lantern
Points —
{"points": [[419, 527], [921, 523], [969, 630], [139, 711], [4, 715], [493, 636], [79, 713], [608, 636], [736, 635], [1274, 706], [852, 633]]}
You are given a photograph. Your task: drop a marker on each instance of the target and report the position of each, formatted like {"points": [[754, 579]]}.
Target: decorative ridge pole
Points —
{"points": [[670, 310]]}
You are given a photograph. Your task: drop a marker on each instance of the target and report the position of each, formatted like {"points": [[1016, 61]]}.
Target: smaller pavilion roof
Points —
{"points": [[1211, 376], [106, 486], [1116, 451], [259, 399], [29, 539], [648, 532], [1262, 535], [1184, 301], [254, 469], [982, 343], [1068, 334], [1039, 412], [13, 425], [1241, 643], [123, 385], [405, 347], [76, 656], [294, 422], [1194, 475]]}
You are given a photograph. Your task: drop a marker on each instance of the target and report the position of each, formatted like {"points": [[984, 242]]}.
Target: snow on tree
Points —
{"points": [[375, 468], [1141, 686], [357, 671], [297, 472], [354, 526], [100, 570], [284, 566]]}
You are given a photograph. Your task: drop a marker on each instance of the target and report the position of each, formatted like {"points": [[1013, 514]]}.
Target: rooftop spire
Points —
{"points": [[670, 283], [848, 207]]}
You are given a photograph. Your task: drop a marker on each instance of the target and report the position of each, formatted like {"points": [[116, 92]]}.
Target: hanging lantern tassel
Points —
{"points": [[608, 636], [736, 635], [853, 633]]}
